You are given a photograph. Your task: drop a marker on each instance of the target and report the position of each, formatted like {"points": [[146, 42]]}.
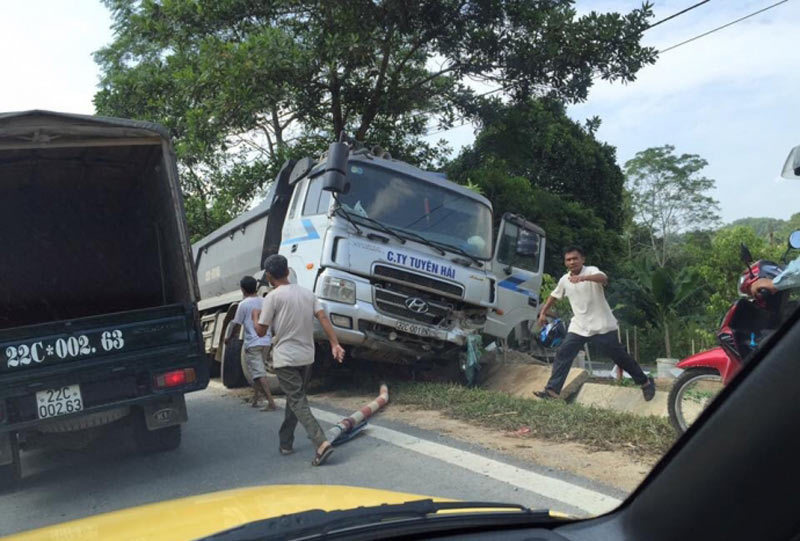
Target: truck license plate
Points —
{"points": [[419, 330], [59, 401]]}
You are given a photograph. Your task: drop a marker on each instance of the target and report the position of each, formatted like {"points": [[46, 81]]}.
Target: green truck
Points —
{"points": [[99, 328]]}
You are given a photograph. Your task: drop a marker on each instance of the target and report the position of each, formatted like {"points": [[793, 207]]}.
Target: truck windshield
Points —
{"points": [[417, 206]]}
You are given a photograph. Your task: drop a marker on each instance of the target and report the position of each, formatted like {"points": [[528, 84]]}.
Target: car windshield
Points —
{"points": [[420, 207], [285, 256]]}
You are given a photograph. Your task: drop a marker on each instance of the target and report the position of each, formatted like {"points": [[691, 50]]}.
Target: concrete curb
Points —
{"points": [[624, 399]]}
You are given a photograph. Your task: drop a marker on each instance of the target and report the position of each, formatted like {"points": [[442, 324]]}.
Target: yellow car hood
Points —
{"points": [[199, 516]]}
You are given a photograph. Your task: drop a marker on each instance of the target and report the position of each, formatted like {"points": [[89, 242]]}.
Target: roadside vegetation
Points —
{"points": [[554, 420]]}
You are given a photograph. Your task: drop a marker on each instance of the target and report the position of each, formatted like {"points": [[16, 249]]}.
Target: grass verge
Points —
{"points": [[547, 419]]}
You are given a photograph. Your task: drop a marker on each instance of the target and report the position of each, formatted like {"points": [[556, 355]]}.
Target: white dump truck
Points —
{"points": [[402, 259]]}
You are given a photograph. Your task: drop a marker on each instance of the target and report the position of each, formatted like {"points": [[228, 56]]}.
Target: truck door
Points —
{"points": [[304, 230], [518, 265]]}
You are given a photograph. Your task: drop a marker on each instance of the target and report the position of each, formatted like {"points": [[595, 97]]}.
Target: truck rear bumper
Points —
{"points": [[105, 386]]}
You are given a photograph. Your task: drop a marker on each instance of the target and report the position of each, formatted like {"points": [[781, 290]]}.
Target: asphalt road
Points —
{"points": [[229, 445]]}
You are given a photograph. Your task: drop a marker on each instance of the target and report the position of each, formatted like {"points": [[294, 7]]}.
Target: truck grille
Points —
{"points": [[418, 280], [395, 303]]}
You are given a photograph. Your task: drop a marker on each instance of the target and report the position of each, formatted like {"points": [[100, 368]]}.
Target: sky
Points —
{"points": [[731, 97]]}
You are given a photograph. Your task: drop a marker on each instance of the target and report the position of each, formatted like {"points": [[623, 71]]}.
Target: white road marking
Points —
{"points": [[576, 496], [583, 498]]}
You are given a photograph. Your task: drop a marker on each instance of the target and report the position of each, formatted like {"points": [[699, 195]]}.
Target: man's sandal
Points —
{"points": [[320, 458], [285, 452], [544, 395]]}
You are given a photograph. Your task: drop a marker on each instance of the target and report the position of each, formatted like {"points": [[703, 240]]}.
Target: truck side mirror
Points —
{"points": [[335, 172]]}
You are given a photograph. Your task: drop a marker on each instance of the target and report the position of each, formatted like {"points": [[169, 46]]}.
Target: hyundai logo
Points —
{"points": [[417, 305]]}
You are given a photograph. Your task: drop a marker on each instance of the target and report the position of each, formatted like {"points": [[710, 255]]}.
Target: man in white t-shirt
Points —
{"points": [[256, 348], [289, 310], [592, 321]]}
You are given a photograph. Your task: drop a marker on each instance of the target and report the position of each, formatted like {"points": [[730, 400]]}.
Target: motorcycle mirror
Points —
{"points": [[794, 240], [744, 254]]}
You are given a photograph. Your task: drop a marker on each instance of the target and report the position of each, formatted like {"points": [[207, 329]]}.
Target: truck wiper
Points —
{"points": [[419, 238], [372, 221], [460, 251], [317, 524], [346, 215]]}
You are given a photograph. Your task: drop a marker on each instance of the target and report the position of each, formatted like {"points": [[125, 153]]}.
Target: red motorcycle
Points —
{"points": [[748, 321]]}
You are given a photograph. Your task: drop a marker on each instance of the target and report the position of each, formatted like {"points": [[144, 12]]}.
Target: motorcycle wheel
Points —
{"points": [[690, 394]]}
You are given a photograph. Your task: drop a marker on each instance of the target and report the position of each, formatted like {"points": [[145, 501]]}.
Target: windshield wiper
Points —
{"points": [[460, 251], [419, 238], [315, 524], [372, 221], [346, 215]]}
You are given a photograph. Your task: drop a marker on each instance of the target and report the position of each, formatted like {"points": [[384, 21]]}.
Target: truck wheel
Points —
{"points": [[232, 374], [155, 441], [10, 474]]}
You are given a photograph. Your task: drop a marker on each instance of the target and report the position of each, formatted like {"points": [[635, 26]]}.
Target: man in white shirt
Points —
{"points": [[256, 348], [289, 310], [592, 321]]}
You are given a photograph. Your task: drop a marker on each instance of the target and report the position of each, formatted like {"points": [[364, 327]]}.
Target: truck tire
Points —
{"points": [[10, 474], [155, 441], [232, 374]]}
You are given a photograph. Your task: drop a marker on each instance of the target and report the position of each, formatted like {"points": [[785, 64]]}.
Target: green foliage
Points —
{"points": [[565, 222], [774, 230], [722, 266], [668, 197], [561, 307], [658, 294], [241, 82], [537, 141]]}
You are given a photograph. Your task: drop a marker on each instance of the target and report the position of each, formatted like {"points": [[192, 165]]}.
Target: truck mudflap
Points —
{"points": [[6, 449], [166, 411]]}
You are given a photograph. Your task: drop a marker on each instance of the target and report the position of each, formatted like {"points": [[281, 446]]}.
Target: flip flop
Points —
{"points": [[544, 395], [285, 452], [320, 458], [268, 408]]}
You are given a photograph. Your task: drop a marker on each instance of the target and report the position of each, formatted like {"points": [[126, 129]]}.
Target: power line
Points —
{"points": [[690, 8], [740, 19]]}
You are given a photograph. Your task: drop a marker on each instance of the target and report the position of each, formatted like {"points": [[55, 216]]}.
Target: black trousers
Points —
{"points": [[607, 342]]}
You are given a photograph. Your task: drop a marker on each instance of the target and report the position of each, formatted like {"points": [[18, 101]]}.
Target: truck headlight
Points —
{"points": [[338, 289]]}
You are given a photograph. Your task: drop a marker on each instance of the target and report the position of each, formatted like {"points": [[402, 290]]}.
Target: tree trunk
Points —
{"points": [[666, 339]]}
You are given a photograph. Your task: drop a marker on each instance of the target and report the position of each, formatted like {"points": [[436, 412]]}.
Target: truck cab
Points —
{"points": [[402, 259]]}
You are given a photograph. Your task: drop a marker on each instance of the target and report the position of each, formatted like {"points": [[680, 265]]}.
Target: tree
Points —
{"points": [[565, 222], [536, 140], [669, 197], [659, 294], [239, 82]]}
